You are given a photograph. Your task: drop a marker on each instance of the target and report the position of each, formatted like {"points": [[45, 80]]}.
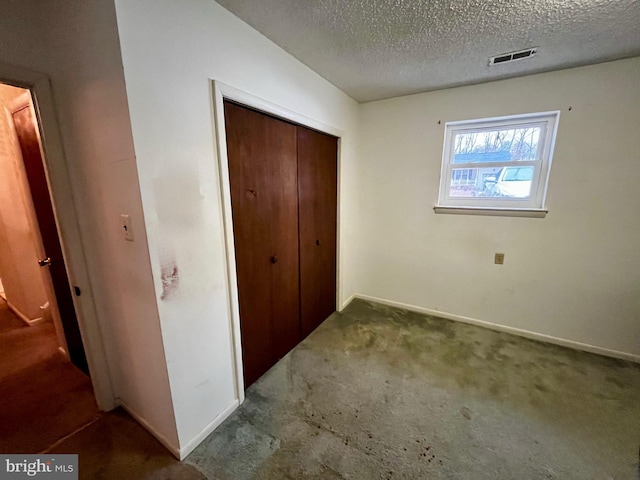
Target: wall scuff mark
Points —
{"points": [[170, 281]]}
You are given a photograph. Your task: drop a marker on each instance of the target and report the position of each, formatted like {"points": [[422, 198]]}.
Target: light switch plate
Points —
{"points": [[125, 223]]}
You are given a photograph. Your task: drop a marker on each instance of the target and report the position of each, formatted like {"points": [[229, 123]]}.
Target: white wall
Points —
{"points": [[76, 44], [574, 275], [171, 50], [22, 277]]}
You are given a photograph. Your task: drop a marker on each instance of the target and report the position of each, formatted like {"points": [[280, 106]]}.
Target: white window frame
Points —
{"points": [[534, 205]]}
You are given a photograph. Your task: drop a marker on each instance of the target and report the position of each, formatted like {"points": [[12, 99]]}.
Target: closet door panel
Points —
{"points": [[263, 180], [317, 193]]}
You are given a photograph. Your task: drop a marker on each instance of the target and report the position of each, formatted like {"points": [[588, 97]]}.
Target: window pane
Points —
{"points": [[514, 174], [500, 145], [508, 182], [469, 182]]}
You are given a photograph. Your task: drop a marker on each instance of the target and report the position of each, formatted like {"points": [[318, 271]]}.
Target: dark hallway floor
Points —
{"points": [[116, 447], [382, 393], [42, 396]]}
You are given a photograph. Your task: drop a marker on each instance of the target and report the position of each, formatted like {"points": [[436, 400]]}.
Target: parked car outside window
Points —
{"points": [[514, 182]]}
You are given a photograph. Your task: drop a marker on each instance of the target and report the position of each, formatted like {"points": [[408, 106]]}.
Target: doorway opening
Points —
{"points": [[45, 389]]}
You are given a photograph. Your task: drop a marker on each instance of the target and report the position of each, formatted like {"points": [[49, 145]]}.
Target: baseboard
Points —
{"points": [[344, 304], [206, 431], [175, 451], [21, 315], [502, 328]]}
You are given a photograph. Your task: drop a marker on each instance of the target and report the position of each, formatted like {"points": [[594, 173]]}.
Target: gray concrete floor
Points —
{"points": [[377, 392], [382, 393]]}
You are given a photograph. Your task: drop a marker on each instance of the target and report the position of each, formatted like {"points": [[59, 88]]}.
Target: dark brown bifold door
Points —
{"points": [[264, 200], [317, 192]]}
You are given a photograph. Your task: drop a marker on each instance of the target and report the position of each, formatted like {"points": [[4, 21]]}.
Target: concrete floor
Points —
{"points": [[382, 393], [378, 392]]}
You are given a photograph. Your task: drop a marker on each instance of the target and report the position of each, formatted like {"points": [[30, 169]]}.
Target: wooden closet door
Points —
{"points": [[264, 199], [318, 197]]}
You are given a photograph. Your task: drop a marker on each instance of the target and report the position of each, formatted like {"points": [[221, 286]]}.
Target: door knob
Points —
{"points": [[44, 262], [274, 259]]}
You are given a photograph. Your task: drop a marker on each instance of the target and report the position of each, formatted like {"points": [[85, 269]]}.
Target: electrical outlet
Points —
{"points": [[499, 259]]}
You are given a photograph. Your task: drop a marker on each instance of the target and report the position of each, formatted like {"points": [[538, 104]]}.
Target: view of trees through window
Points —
{"points": [[496, 149]]}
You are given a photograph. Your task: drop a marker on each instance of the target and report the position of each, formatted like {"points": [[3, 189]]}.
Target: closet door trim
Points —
{"points": [[221, 92]]}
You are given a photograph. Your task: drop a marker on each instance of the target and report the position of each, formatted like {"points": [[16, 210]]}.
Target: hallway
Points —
{"points": [[43, 397]]}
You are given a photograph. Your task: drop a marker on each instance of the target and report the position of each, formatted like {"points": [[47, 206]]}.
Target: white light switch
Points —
{"points": [[125, 223]]}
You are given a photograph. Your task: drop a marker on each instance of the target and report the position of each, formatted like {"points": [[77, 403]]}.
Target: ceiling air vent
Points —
{"points": [[513, 56]]}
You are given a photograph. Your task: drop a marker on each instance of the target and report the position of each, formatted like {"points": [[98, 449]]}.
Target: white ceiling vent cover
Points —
{"points": [[512, 56]]}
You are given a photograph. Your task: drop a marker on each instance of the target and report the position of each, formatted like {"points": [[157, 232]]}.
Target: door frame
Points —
{"points": [[65, 212], [219, 93]]}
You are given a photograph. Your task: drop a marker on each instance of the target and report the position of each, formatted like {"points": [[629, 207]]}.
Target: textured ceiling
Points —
{"points": [[374, 49]]}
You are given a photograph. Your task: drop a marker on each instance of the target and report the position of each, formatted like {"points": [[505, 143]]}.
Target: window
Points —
{"points": [[497, 165]]}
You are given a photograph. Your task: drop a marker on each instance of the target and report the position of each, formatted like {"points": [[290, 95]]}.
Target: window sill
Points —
{"points": [[496, 212]]}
